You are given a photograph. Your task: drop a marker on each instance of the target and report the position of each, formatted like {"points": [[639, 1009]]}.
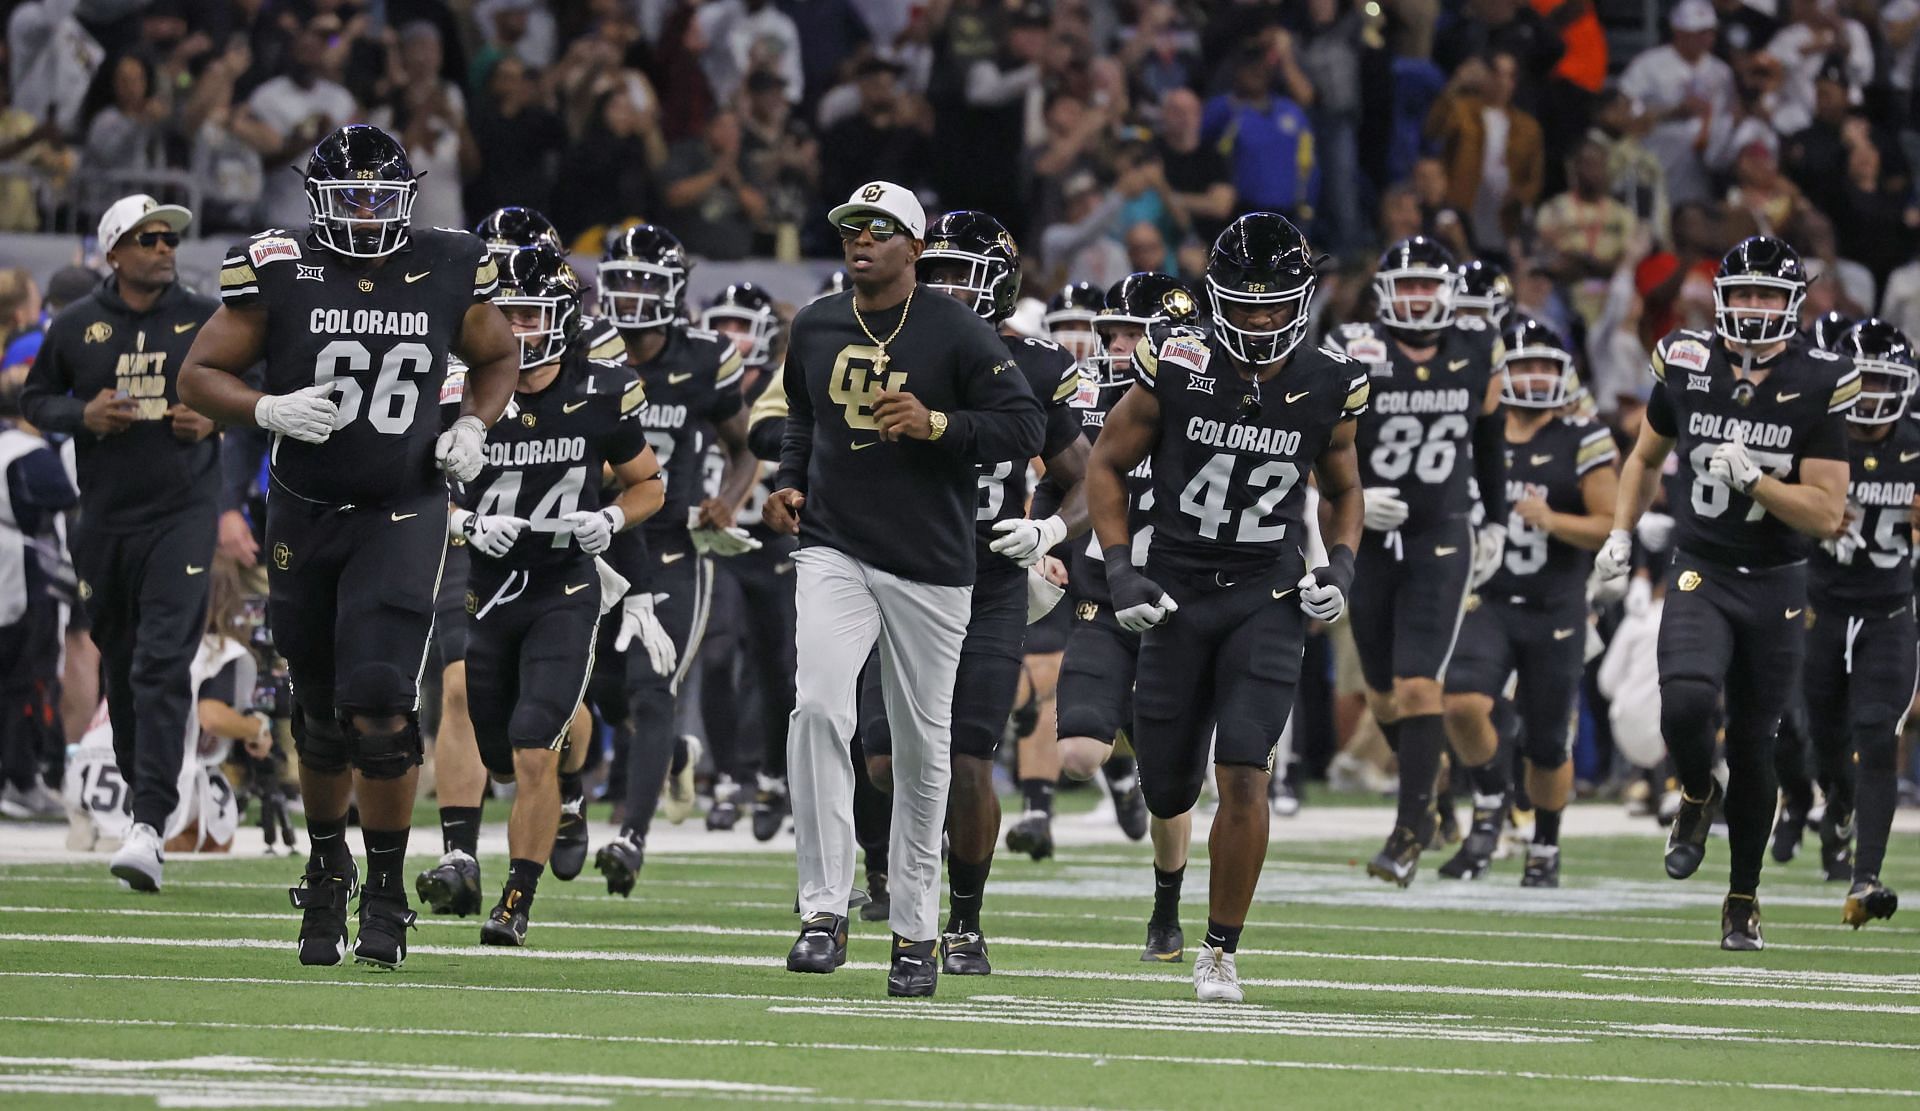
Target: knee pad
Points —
{"points": [[1026, 717], [385, 755], [1876, 741], [376, 691], [1687, 707], [1549, 753], [320, 743], [1168, 800]]}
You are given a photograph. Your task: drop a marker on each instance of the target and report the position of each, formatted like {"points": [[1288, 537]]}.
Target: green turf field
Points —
{"points": [[1610, 992]]}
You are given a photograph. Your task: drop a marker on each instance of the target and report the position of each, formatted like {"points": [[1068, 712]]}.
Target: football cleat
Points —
{"points": [[451, 886], [769, 808], [914, 973], [1446, 828], [1836, 843], [1543, 869], [1787, 832], [1687, 840], [1399, 859], [507, 925], [1869, 899], [138, 861], [680, 791], [1740, 924], [619, 860], [1129, 807], [878, 906], [1215, 979], [1475, 855], [570, 841], [1165, 944], [724, 814], [384, 922], [964, 954], [1283, 797], [1032, 834], [322, 899], [821, 946]]}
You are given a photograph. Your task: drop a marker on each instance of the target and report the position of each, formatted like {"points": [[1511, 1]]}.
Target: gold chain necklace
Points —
{"points": [[880, 361]]}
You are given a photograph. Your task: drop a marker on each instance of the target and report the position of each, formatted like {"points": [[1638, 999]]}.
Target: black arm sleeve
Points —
{"points": [[765, 438], [1047, 496], [47, 400], [1828, 440], [1490, 465], [1660, 415], [628, 555], [1002, 419]]}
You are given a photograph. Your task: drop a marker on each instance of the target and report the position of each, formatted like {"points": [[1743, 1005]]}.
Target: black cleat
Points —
{"points": [[1869, 899], [878, 905], [1129, 806], [1787, 832], [384, 922], [1399, 859], [1543, 870], [914, 973], [507, 925], [1032, 834], [322, 899], [724, 814], [964, 954], [570, 841], [1836, 844], [619, 860], [1740, 924], [451, 886], [1165, 944], [769, 808], [821, 946], [1475, 855], [1687, 840]]}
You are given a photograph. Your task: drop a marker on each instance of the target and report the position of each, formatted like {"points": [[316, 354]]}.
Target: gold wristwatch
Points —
{"points": [[936, 425]]}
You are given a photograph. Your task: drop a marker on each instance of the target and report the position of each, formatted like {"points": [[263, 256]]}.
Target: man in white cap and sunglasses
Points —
{"points": [[893, 398], [149, 494]]}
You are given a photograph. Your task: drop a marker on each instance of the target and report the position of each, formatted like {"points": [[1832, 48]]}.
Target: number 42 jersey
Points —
{"points": [[379, 335]]}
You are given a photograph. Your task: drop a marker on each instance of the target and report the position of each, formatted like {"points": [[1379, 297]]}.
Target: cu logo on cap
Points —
{"points": [[872, 192]]}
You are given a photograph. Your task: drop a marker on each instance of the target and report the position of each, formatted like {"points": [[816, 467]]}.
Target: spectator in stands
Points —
{"points": [[1507, 26], [428, 114], [224, 160], [1400, 216], [1744, 30], [885, 140], [1160, 54], [127, 113], [779, 157], [52, 59], [1147, 249], [999, 81], [1634, 174], [745, 35], [36, 145], [1496, 163], [830, 32], [522, 28], [22, 320], [1082, 247], [1765, 197], [1267, 135], [1814, 156], [1199, 181], [293, 112], [1586, 232], [1676, 284], [520, 141], [1817, 32], [605, 179], [706, 198], [1833, 282], [1439, 218], [1329, 53], [1687, 90]]}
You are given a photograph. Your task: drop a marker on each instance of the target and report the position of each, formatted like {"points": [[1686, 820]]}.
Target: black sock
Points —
{"points": [[386, 858], [460, 829], [1166, 895], [1224, 938], [328, 843], [1119, 769], [1422, 740], [1546, 826], [877, 860], [1038, 794], [572, 787], [525, 875], [967, 884], [1391, 730], [1489, 778]]}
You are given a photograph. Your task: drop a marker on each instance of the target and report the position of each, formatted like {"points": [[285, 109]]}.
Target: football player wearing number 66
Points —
{"points": [[1759, 417], [1233, 423]]}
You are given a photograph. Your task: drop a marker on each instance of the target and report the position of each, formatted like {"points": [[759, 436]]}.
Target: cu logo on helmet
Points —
{"points": [[872, 192]]}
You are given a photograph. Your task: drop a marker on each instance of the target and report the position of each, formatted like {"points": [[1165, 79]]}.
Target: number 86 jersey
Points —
{"points": [[1797, 412], [378, 335]]}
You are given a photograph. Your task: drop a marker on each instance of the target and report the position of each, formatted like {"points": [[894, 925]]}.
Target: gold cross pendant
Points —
{"points": [[880, 362]]}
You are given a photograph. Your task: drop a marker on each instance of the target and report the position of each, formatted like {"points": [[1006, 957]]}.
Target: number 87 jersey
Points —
{"points": [[378, 335]]}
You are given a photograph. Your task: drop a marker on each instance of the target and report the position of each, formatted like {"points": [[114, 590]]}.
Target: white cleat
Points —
{"points": [[138, 861], [1215, 980]]}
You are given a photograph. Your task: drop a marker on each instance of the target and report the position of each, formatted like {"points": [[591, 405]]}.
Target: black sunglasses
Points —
{"points": [[880, 227], [151, 238]]}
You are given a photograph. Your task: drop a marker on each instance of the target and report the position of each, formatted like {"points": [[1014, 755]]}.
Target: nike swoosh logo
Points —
{"points": [[572, 590], [1541, 459], [863, 447], [1791, 614], [183, 329], [1786, 397], [1456, 364], [782, 568], [676, 379], [1445, 551], [1909, 456], [192, 570], [1562, 634], [571, 406], [398, 517], [1293, 397], [673, 557], [412, 278], [1279, 594]]}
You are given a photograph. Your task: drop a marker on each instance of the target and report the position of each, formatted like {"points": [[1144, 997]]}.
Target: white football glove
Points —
{"points": [[1321, 601], [723, 541], [491, 534], [1383, 510], [1489, 544], [594, 531], [1732, 466], [637, 620], [1042, 595], [1026, 540], [1655, 531], [1615, 557], [307, 415], [1639, 597], [1603, 592], [462, 450]]}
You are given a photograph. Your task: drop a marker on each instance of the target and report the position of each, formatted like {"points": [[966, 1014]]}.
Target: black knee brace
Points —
{"points": [[377, 691], [385, 755], [1168, 797], [320, 742], [1547, 753]]}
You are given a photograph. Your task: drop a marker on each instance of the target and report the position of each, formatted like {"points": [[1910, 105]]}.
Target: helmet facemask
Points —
{"points": [[1752, 325], [1286, 308], [361, 219], [1119, 336], [1073, 330], [1537, 378], [553, 320], [974, 280], [1885, 388], [1397, 305], [640, 294], [754, 342]]}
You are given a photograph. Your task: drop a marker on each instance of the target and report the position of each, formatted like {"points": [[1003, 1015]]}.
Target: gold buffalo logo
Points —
{"points": [[1177, 302], [473, 603], [873, 192], [98, 332], [282, 556], [527, 419]]}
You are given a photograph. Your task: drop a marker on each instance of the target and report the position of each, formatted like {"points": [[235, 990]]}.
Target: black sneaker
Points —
{"points": [[1869, 899], [1399, 859], [384, 922], [1836, 843], [1787, 832], [507, 925], [1740, 924], [570, 840], [964, 954], [914, 973], [1165, 944], [322, 899], [821, 946], [1129, 806], [1687, 840], [619, 860], [1032, 834], [1543, 869], [451, 886], [769, 808], [878, 905], [724, 814], [1475, 855]]}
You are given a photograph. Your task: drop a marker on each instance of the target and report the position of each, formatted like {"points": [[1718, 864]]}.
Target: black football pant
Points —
{"points": [[1859, 681], [686, 578], [529, 650], [1544, 643], [746, 700], [146, 595]]}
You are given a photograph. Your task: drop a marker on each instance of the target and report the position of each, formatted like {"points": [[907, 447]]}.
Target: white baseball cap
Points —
{"points": [[884, 198], [1694, 15], [129, 213]]}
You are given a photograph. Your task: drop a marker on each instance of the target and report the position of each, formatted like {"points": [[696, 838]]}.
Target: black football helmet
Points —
{"points": [[1069, 320], [1888, 367], [1484, 290], [360, 192], [1828, 329], [970, 256], [1759, 261], [1134, 303], [1528, 340], [1416, 259], [506, 230], [744, 302], [836, 283], [1260, 263], [643, 274], [541, 279]]}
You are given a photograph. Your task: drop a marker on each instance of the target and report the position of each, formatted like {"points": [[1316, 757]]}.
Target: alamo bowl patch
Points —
{"points": [[1689, 354], [262, 251], [1367, 351], [1185, 351], [454, 388]]}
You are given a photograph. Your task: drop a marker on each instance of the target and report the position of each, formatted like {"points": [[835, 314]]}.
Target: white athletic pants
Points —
{"points": [[843, 607]]}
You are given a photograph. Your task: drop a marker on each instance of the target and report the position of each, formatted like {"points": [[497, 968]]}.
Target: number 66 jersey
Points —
{"points": [[1798, 412], [378, 335]]}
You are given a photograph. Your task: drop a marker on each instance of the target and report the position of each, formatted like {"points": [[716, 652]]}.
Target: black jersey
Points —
{"points": [[1055, 380], [601, 340], [1229, 487], [545, 455], [692, 384], [378, 334], [1884, 478], [1796, 413], [1417, 434], [1086, 572], [1539, 568], [907, 507]]}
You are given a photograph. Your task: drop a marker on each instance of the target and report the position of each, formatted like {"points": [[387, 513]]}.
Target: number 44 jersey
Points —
{"points": [[379, 335]]}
